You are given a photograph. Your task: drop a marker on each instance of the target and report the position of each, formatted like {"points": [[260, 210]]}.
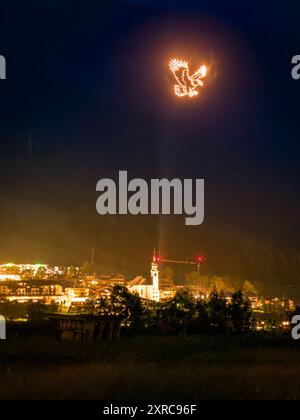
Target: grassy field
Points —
{"points": [[144, 368]]}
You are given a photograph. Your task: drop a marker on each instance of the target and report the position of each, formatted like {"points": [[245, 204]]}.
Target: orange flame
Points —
{"points": [[186, 85]]}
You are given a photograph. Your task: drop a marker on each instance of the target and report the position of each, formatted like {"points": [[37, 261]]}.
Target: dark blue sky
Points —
{"points": [[88, 94]]}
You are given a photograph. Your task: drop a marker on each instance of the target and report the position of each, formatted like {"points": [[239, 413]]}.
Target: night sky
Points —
{"points": [[88, 93]]}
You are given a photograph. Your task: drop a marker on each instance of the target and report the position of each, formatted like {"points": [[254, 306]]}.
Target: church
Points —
{"points": [[149, 292]]}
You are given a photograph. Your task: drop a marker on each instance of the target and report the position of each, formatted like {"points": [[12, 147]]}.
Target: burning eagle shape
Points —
{"points": [[187, 85]]}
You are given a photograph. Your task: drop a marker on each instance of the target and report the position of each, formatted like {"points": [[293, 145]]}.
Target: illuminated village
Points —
{"points": [[72, 289]]}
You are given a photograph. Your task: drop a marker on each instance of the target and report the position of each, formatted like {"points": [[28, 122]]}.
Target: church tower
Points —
{"points": [[155, 277]]}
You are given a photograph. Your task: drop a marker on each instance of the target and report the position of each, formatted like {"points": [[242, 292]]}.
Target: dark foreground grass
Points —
{"points": [[178, 368]]}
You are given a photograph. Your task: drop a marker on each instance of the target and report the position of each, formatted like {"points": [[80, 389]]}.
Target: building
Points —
{"points": [[145, 291], [51, 290], [77, 294], [4, 290], [167, 293], [17, 272]]}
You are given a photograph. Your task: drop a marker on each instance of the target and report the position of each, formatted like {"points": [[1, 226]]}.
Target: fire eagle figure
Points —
{"points": [[187, 85]]}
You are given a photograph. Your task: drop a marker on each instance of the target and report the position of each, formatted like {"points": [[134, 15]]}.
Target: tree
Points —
{"points": [[167, 276], [240, 314], [198, 280], [221, 283], [249, 287], [201, 320], [192, 279], [218, 311], [128, 305], [179, 310]]}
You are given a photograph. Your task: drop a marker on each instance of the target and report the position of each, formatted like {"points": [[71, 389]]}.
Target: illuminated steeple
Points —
{"points": [[155, 277]]}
